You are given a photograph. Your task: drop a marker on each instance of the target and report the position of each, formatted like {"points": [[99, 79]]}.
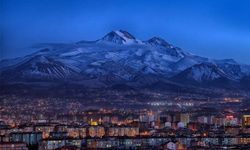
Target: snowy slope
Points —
{"points": [[39, 68], [205, 74]]}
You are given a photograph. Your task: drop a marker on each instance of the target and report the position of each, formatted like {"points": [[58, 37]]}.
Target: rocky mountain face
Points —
{"points": [[121, 59]]}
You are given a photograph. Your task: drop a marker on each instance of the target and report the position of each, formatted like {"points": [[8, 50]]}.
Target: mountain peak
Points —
{"points": [[125, 34], [157, 41], [203, 72], [120, 37]]}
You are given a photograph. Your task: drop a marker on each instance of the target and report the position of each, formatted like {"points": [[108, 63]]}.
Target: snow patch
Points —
{"points": [[73, 53]]}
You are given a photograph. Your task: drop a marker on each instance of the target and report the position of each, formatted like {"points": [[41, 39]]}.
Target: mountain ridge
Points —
{"points": [[121, 58]]}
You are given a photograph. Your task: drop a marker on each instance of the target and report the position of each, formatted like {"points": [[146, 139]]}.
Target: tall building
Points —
{"points": [[246, 120]]}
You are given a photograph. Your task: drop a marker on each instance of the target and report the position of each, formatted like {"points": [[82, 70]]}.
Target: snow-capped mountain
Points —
{"points": [[156, 41], [120, 37], [160, 43], [118, 58], [202, 73], [39, 68], [231, 68]]}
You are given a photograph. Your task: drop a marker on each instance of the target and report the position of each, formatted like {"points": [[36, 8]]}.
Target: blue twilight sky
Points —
{"points": [[211, 28]]}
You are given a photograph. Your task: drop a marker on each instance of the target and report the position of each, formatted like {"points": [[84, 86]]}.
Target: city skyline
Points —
{"points": [[123, 74]]}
